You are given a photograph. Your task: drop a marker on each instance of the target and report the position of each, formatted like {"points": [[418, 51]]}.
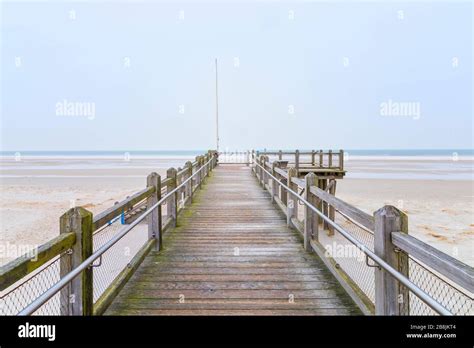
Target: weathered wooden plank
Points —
{"points": [[27, 263], [227, 294], [277, 285], [227, 312], [104, 217], [352, 212], [229, 270], [236, 304], [235, 264], [441, 263]]}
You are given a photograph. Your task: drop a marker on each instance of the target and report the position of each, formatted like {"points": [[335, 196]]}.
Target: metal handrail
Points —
{"points": [[437, 307], [33, 306]]}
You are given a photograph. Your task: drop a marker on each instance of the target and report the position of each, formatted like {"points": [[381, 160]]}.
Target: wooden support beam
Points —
{"points": [[265, 175], [341, 159], [326, 208], [297, 160], [275, 185], [292, 204], [320, 203], [332, 211], [283, 192], [154, 218], [189, 185], [77, 296], [198, 175], [172, 202], [310, 218], [391, 298]]}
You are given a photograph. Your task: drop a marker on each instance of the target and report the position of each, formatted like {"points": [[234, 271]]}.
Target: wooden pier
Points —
{"points": [[232, 254], [264, 236]]}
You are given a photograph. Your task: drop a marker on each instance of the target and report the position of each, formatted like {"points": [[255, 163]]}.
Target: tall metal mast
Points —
{"points": [[217, 114]]}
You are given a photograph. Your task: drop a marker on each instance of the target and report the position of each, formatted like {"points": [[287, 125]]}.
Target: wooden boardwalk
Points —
{"points": [[232, 254]]}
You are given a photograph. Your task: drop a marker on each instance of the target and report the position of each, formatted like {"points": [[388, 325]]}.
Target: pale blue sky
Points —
{"points": [[283, 62]]}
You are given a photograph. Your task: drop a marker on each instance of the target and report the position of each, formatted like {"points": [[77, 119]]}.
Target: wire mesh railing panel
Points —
{"points": [[114, 260], [350, 258], [21, 294], [457, 301]]}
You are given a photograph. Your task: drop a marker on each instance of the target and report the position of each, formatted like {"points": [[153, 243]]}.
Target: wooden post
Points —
{"points": [[198, 175], [341, 160], [257, 168], [321, 162], [205, 159], [180, 192], [259, 161], [330, 159], [274, 182], [79, 293], [203, 170], [320, 203], [208, 165], [325, 207], [154, 218], [213, 156], [391, 298], [208, 168], [332, 211], [292, 205], [172, 204], [283, 192], [65, 298], [313, 157], [310, 217], [297, 161], [280, 155], [265, 175], [189, 186]]}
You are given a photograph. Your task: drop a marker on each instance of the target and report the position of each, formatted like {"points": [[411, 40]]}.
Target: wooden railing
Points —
{"points": [[78, 227], [301, 159], [447, 280]]}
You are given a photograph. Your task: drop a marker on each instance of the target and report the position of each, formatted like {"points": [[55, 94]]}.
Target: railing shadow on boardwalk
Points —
{"points": [[382, 268]]}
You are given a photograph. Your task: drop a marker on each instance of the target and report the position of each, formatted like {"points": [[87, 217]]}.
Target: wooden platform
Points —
{"points": [[232, 254]]}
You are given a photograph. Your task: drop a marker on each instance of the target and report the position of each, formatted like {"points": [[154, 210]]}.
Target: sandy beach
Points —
{"points": [[437, 194]]}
